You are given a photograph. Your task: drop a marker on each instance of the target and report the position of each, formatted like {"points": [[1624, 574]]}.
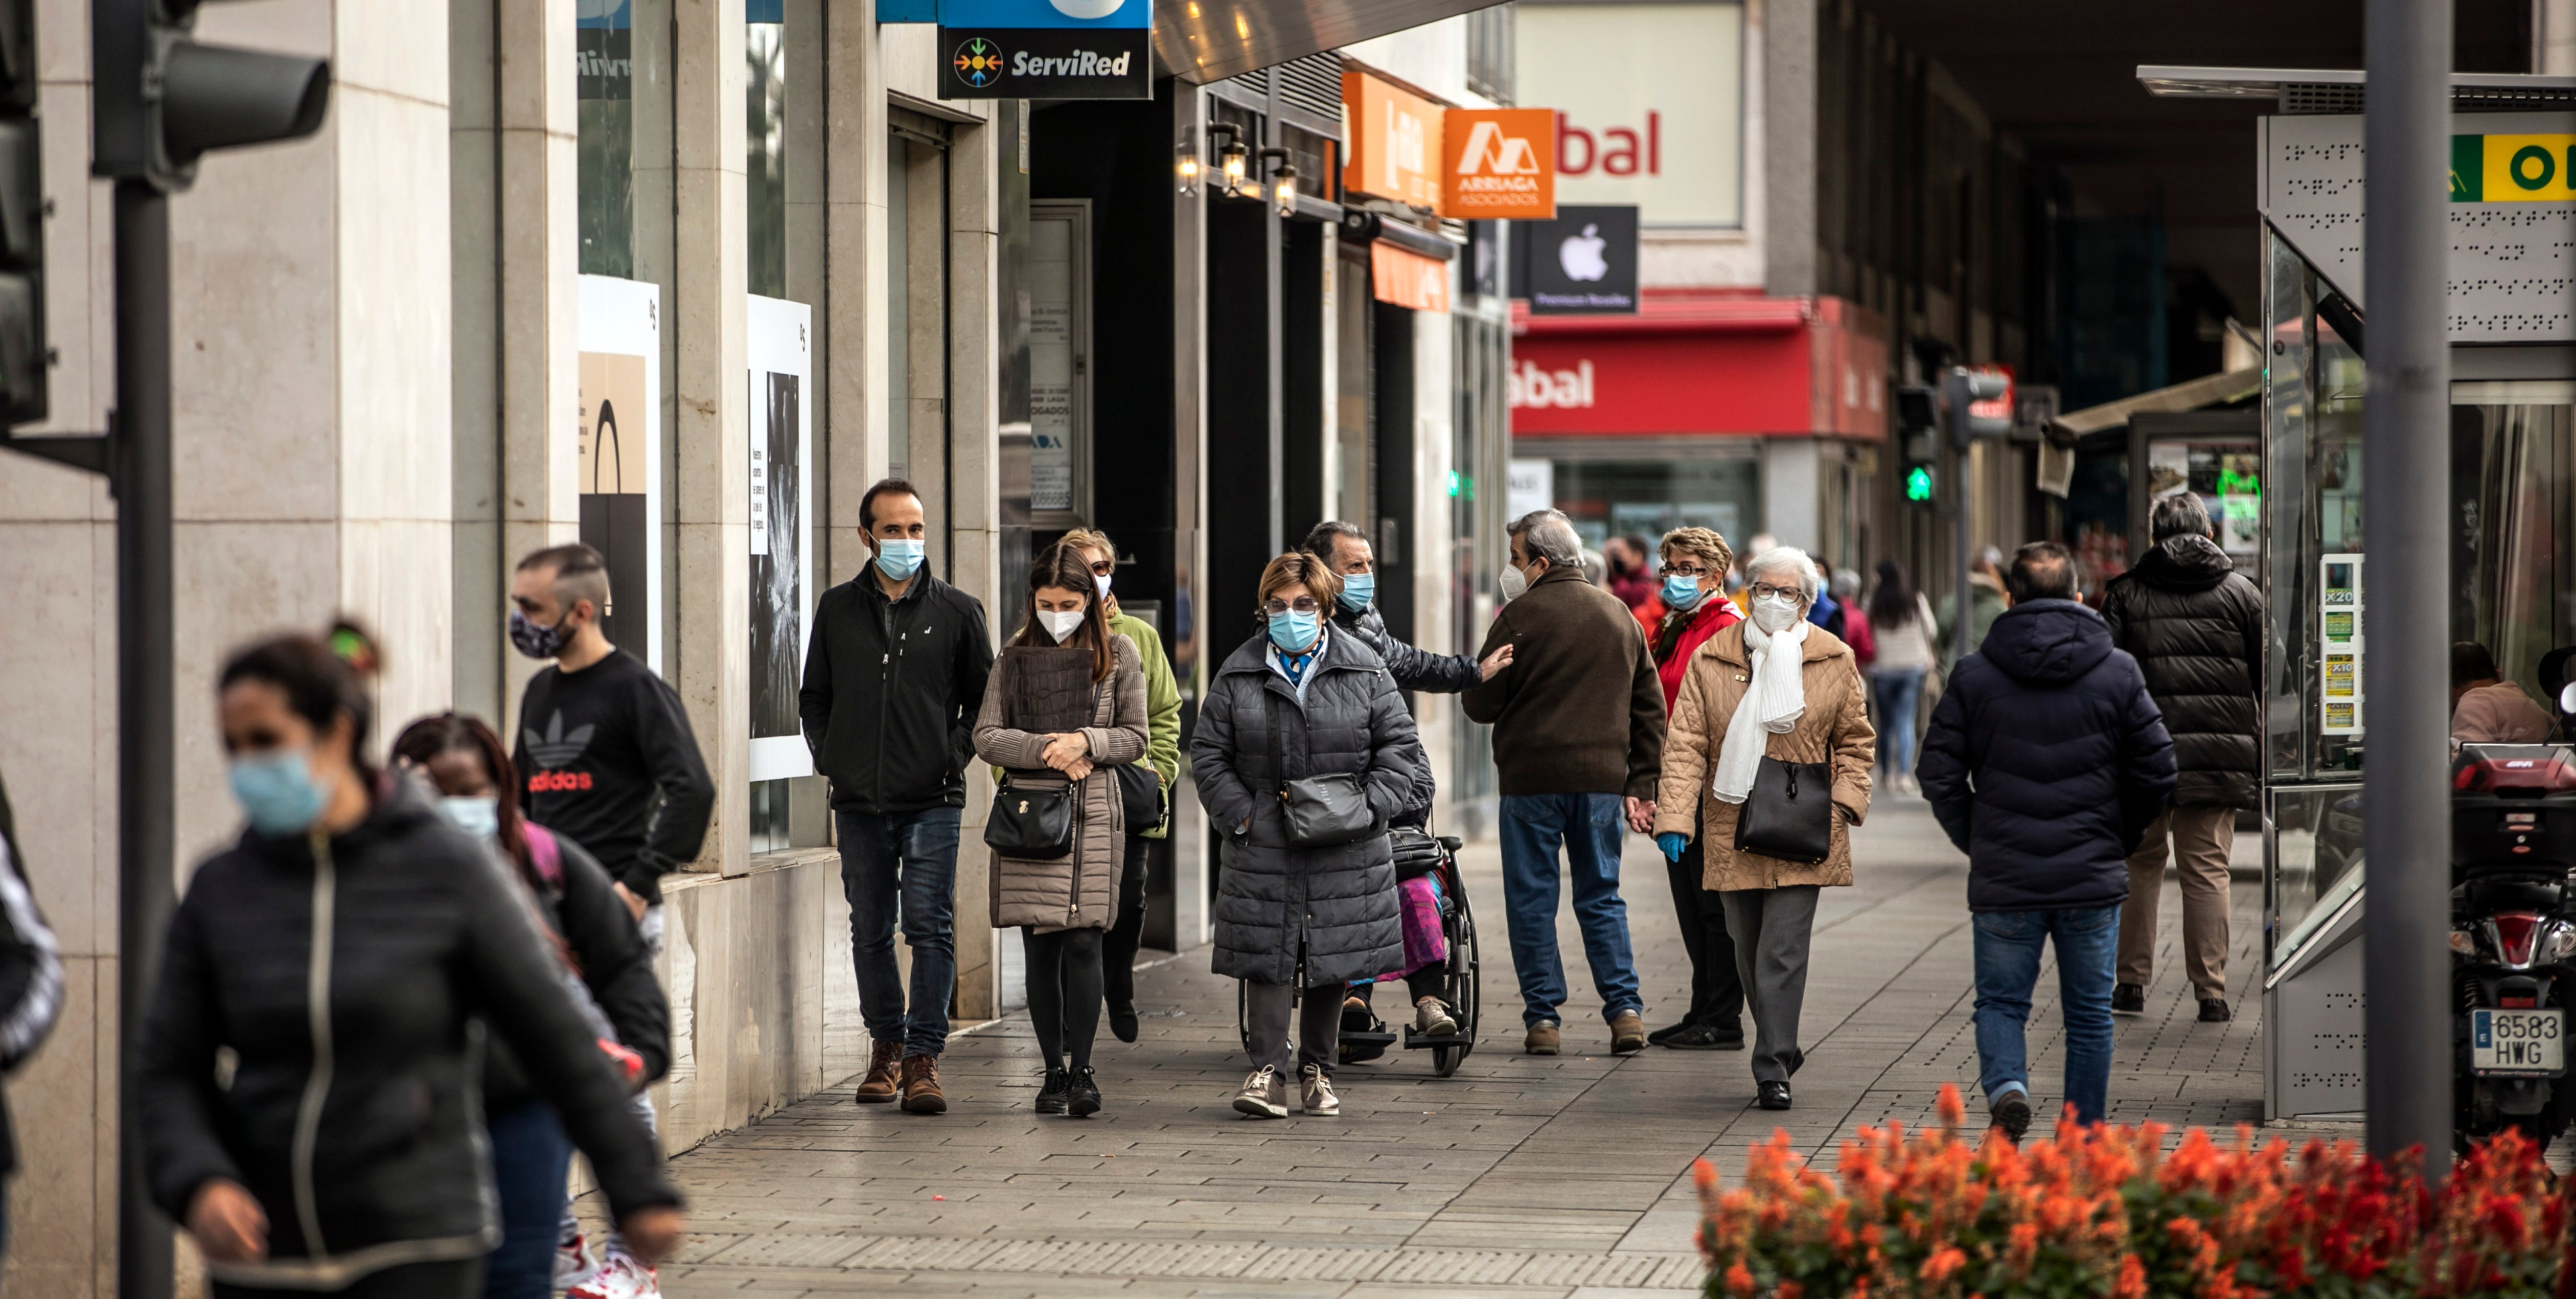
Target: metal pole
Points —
{"points": [[146, 840], [1963, 601], [2406, 834]]}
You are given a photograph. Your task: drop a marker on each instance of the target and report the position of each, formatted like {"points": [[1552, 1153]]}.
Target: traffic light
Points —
{"points": [[161, 99], [1917, 425], [1980, 403], [22, 221]]}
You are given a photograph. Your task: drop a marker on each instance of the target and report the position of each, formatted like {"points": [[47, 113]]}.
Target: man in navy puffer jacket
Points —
{"points": [[2046, 762]]}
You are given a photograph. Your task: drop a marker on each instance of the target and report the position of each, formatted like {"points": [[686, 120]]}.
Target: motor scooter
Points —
{"points": [[2513, 934]]}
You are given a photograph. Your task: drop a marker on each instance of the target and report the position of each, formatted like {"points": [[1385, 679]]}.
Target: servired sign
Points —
{"points": [[1395, 141], [1502, 164]]}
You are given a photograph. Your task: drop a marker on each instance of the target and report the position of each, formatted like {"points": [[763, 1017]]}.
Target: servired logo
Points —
{"points": [[558, 782], [1561, 389], [1504, 166]]}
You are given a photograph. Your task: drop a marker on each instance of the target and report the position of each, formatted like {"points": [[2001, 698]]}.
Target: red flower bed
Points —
{"points": [[2103, 1211]]}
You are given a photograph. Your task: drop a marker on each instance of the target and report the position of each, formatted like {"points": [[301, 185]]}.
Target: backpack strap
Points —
{"points": [[545, 852]]}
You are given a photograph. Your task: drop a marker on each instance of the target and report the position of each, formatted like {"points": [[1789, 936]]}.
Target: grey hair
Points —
{"points": [[1793, 559], [1549, 535], [2178, 515], [1846, 584]]}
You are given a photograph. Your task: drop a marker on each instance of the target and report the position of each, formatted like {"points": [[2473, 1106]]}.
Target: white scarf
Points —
{"points": [[1771, 706]]}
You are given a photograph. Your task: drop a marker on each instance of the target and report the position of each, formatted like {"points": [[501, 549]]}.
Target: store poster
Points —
{"points": [[782, 508], [1051, 344], [2228, 478], [619, 469], [2339, 607]]}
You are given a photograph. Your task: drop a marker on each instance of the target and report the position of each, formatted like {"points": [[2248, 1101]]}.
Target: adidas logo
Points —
{"points": [[554, 748]]}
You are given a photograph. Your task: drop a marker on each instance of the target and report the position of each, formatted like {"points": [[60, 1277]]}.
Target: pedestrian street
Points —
{"points": [[1518, 1176]]}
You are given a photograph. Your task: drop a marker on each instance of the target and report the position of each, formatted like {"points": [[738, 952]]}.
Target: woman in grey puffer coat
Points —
{"points": [[1066, 703], [1335, 709]]}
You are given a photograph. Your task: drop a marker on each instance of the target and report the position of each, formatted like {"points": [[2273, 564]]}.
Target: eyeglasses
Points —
{"points": [[1761, 589], [1302, 604], [1681, 570], [1102, 567]]}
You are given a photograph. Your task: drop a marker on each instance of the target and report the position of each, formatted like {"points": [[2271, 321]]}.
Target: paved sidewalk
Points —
{"points": [[1518, 1176]]}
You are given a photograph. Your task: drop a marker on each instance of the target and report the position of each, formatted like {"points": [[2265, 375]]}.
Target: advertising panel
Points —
{"points": [[1650, 105], [1502, 164], [782, 511], [619, 464], [1582, 263], [1396, 141], [1046, 49]]}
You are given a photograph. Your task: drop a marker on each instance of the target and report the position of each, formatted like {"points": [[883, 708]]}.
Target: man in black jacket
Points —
{"points": [[2045, 763], [2195, 625], [893, 679], [1345, 550]]}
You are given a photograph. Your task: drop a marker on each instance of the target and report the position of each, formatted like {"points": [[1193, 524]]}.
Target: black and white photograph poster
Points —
{"points": [[619, 465], [782, 508]]}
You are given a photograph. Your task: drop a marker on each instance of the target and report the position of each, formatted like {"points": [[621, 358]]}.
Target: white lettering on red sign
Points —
{"points": [[1562, 389]]}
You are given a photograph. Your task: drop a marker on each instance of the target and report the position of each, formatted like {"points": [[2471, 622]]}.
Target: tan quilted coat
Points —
{"points": [[1835, 729], [1079, 891]]}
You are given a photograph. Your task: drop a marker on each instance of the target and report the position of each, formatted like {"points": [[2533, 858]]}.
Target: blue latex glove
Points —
{"points": [[1672, 842]]}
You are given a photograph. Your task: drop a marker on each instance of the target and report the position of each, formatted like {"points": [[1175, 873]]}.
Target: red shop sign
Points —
{"points": [[1653, 384]]}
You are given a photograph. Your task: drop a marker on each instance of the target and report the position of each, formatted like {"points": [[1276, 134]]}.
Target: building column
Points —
{"points": [[711, 644], [974, 498], [855, 239], [1787, 146]]}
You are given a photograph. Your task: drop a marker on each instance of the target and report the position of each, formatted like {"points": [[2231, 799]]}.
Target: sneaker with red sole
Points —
{"points": [[573, 1261], [621, 1277]]}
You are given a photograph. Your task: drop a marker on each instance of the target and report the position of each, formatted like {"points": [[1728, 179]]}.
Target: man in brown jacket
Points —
{"points": [[1578, 722]]}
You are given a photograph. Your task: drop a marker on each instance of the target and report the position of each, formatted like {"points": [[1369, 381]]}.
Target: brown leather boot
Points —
{"points": [[879, 1086], [921, 1094]]}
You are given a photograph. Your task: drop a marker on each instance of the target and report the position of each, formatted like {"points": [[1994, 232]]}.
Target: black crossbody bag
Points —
{"points": [[1789, 814], [1320, 811], [1034, 823]]}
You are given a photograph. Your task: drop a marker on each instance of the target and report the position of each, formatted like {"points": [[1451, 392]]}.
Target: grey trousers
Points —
{"points": [[1771, 928], [1319, 1025]]}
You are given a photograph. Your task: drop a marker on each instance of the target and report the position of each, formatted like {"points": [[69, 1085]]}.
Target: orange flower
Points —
{"points": [[2133, 1279], [1944, 1263]]}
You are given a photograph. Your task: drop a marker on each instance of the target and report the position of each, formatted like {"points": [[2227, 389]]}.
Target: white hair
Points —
{"points": [[1791, 559]]}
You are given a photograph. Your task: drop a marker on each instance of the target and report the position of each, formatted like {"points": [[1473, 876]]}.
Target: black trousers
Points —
{"points": [[1717, 990], [1126, 930], [462, 1279], [1064, 993]]}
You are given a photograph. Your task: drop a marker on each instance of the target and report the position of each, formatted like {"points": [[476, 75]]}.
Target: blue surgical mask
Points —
{"points": [[477, 816], [276, 790], [899, 558], [1357, 590], [1681, 592], [1293, 632]]}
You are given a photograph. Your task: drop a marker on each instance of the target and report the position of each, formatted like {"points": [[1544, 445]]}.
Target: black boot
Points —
{"points": [[1122, 1021], [1052, 1093], [1082, 1100]]}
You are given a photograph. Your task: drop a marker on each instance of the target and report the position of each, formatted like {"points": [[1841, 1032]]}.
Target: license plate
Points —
{"points": [[2518, 1041]]}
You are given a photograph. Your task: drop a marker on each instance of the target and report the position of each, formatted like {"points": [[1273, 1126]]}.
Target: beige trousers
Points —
{"points": [[2202, 839]]}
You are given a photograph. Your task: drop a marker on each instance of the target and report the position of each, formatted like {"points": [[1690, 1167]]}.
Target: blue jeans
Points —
{"points": [[530, 1157], [2008, 945], [1589, 825], [1898, 692], [903, 868]]}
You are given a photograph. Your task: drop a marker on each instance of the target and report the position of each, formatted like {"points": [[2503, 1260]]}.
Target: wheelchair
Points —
{"points": [[1417, 853]]}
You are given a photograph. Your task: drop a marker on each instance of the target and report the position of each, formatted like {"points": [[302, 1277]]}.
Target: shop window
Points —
{"points": [[1059, 324], [1647, 495]]}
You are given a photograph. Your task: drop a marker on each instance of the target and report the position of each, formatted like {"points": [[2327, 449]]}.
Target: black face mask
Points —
{"points": [[537, 640]]}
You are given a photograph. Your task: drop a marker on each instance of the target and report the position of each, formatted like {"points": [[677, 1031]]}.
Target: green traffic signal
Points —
{"points": [[1918, 483]]}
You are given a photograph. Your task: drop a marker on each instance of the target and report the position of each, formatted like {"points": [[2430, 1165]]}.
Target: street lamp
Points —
{"points": [[1284, 178], [1186, 169]]}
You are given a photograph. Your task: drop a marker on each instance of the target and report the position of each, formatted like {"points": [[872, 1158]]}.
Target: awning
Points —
{"points": [[2191, 394], [1209, 40], [1702, 364], [2340, 90]]}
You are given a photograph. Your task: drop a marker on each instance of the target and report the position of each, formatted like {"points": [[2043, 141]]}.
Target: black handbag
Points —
{"points": [[1033, 823], [1320, 811], [1789, 814], [1140, 795]]}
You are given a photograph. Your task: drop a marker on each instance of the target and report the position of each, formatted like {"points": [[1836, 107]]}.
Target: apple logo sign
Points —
{"points": [[1086, 8], [1580, 255]]}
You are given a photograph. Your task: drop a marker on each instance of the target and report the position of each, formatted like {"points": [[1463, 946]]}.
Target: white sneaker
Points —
{"points": [[573, 1261], [621, 1277], [1264, 1095], [1316, 1090], [1431, 1019]]}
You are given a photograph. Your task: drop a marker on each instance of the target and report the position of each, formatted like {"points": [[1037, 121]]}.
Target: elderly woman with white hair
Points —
{"points": [[1769, 757]]}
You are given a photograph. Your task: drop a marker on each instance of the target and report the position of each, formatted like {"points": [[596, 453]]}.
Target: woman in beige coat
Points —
{"points": [[1776, 686], [1065, 704]]}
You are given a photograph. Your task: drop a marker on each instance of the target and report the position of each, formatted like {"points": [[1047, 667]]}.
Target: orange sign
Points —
{"points": [[1502, 164], [1408, 279], [1395, 141]]}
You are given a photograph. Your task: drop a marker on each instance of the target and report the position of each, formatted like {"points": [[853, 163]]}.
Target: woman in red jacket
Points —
{"points": [[1693, 595]]}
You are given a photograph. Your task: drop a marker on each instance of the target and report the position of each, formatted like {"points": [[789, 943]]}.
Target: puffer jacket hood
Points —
{"points": [[2190, 562], [2047, 642]]}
